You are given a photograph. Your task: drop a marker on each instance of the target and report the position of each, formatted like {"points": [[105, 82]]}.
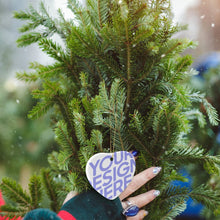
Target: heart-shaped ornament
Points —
{"points": [[110, 173]]}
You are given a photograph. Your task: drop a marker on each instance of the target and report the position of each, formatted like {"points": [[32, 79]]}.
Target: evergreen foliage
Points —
{"points": [[22, 202], [118, 84], [207, 82], [23, 142]]}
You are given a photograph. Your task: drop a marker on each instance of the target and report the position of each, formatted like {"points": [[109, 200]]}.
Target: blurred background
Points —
{"points": [[25, 143]]}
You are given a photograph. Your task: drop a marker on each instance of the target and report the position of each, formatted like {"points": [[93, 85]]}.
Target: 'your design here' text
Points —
{"points": [[110, 173]]}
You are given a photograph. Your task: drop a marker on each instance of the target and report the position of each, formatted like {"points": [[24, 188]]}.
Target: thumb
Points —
{"points": [[69, 196]]}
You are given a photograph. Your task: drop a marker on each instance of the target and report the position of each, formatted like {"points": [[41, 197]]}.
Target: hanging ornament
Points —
{"points": [[110, 173]]}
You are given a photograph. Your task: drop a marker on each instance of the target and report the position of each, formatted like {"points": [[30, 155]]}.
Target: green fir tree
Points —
{"points": [[208, 82], [116, 84]]}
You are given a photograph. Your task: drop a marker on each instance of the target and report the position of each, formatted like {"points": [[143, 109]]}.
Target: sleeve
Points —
{"points": [[2, 202], [86, 206], [91, 205]]}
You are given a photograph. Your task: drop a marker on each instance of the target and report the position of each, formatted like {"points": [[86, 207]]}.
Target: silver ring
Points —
{"points": [[128, 203], [131, 209]]}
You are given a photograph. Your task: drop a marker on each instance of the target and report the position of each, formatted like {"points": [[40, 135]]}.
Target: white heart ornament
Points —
{"points": [[110, 173]]}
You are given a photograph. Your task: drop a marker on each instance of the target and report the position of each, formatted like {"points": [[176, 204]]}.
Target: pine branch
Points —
{"points": [[97, 139], [136, 123], [12, 211], [64, 23], [172, 201], [51, 189], [40, 109], [63, 138], [185, 154], [15, 193], [36, 19], [76, 7], [53, 50], [79, 44], [46, 72], [71, 185], [64, 159], [181, 92], [85, 153], [35, 190], [77, 182], [113, 106], [85, 87], [27, 39], [195, 154], [206, 196], [145, 148], [196, 114], [27, 77], [32, 15], [79, 125], [177, 209], [53, 161], [173, 193], [99, 12], [210, 110], [64, 108]]}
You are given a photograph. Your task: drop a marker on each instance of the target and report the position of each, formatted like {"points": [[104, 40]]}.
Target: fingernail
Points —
{"points": [[156, 193], [156, 170], [145, 213], [135, 153]]}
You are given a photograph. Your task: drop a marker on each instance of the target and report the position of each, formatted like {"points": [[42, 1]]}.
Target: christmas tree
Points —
{"points": [[208, 82], [117, 83]]}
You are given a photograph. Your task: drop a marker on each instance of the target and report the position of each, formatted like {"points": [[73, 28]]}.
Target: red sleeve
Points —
{"points": [[65, 215], [2, 202]]}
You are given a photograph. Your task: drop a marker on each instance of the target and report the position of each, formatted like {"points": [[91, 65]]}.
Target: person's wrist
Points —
{"points": [[97, 207]]}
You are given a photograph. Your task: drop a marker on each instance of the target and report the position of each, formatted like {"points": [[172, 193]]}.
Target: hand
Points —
{"points": [[91, 205], [142, 199], [139, 200]]}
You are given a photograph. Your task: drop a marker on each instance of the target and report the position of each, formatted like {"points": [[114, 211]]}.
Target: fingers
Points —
{"points": [[141, 214], [140, 201], [144, 198], [139, 180]]}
